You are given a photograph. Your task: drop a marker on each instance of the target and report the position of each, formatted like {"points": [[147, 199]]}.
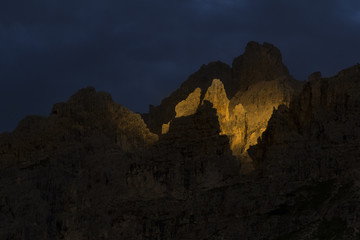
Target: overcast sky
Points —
{"points": [[140, 50]]}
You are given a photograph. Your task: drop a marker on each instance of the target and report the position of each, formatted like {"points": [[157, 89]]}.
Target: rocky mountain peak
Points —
{"points": [[244, 101], [251, 155], [243, 118], [90, 117], [260, 62]]}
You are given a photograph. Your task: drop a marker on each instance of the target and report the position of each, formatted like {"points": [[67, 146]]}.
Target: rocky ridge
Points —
{"points": [[316, 139], [92, 169], [259, 83], [260, 62]]}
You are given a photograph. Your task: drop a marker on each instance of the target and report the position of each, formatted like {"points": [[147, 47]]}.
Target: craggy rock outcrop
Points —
{"points": [[317, 138], [87, 115], [93, 170], [165, 112], [259, 63], [318, 131], [191, 157], [49, 164], [259, 102], [88, 180], [189, 105], [185, 108], [245, 117], [260, 82], [91, 111]]}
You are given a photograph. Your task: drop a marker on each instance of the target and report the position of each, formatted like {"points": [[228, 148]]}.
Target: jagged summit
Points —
{"points": [[243, 152], [88, 116], [258, 63], [165, 112], [244, 96]]}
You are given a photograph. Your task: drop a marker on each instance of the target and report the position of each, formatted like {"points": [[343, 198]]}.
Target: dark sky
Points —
{"points": [[140, 51]]}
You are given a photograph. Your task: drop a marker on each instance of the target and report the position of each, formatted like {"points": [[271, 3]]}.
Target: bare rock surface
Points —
{"points": [[92, 169], [165, 112], [49, 163], [243, 118], [259, 83], [315, 139], [260, 62], [189, 105]]}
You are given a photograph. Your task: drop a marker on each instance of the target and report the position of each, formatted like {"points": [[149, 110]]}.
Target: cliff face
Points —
{"points": [[258, 63], [49, 165], [165, 112], [315, 139], [245, 152], [244, 103], [183, 163], [319, 130], [88, 116]]}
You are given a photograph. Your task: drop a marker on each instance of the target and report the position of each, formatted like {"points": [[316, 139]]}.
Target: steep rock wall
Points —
{"points": [[243, 118]]}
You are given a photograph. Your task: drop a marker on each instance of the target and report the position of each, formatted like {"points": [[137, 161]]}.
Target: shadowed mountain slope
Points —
{"points": [[245, 152]]}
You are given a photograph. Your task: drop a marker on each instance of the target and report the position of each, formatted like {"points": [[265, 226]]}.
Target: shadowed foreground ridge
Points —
{"points": [[240, 152]]}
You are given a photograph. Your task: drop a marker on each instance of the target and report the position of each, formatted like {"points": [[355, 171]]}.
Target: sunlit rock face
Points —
{"points": [[165, 112], [165, 128], [188, 106], [185, 108], [259, 102], [258, 84], [259, 63], [246, 120], [229, 122], [217, 96]]}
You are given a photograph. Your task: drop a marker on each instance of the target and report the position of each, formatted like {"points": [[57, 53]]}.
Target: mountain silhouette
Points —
{"points": [[237, 152]]}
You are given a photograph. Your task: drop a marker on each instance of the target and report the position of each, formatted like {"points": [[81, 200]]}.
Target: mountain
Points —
{"points": [[240, 152], [244, 96]]}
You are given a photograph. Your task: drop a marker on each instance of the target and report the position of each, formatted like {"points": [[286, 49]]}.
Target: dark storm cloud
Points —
{"points": [[140, 51]]}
